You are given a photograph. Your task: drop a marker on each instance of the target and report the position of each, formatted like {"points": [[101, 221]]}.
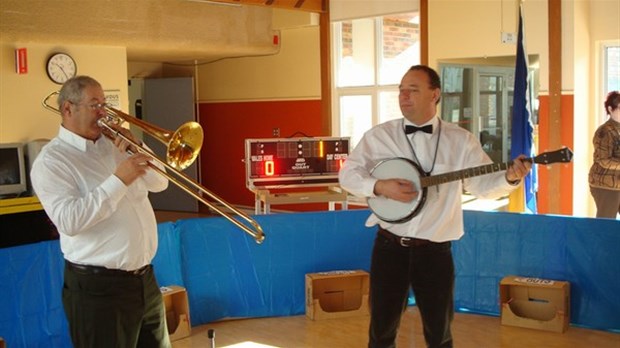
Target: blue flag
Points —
{"points": [[521, 122]]}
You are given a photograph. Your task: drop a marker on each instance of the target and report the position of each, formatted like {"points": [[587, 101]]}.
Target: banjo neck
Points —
{"points": [[465, 173], [563, 155]]}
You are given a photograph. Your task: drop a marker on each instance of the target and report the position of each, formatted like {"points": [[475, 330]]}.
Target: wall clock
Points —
{"points": [[61, 67]]}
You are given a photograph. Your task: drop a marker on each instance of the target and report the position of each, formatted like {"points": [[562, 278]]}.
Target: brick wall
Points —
{"points": [[398, 35]]}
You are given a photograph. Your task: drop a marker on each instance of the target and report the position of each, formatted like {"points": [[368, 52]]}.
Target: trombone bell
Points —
{"points": [[184, 146]]}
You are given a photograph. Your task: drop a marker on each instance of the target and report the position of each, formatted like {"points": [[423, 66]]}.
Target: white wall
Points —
{"points": [[472, 29], [22, 117], [578, 62], [350, 9], [292, 73]]}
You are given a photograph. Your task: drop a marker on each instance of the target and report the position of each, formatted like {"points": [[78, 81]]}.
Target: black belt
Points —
{"points": [[406, 242], [99, 270]]}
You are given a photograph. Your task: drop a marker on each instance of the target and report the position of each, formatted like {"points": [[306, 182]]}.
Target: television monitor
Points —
{"points": [[12, 170]]}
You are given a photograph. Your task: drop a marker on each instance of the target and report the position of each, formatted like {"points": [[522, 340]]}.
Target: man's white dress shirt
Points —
{"points": [[101, 221], [441, 217]]}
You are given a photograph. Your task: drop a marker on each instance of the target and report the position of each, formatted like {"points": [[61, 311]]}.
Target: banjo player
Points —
{"points": [[415, 252]]}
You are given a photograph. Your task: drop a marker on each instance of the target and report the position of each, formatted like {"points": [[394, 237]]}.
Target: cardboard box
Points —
{"points": [[337, 294], [177, 311], [535, 303]]}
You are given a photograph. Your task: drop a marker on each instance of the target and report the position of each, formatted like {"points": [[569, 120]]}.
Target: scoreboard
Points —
{"points": [[276, 162]]}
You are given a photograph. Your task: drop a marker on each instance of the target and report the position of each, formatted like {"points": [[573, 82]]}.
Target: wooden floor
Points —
{"points": [[469, 331]]}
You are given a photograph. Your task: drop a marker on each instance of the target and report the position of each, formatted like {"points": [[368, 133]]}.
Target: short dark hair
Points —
{"points": [[433, 77], [612, 101]]}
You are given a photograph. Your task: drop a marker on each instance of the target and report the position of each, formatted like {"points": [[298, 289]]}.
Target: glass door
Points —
{"points": [[494, 100]]}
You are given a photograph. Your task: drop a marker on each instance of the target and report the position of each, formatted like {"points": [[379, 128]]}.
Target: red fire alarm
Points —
{"points": [[276, 39], [21, 61]]}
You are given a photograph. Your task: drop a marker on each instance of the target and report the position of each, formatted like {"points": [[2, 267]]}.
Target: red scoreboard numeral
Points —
{"points": [[269, 168]]}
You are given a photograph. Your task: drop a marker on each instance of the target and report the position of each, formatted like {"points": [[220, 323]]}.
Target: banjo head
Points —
{"points": [[390, 210]]}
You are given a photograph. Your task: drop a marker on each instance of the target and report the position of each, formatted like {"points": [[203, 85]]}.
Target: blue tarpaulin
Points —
{"points": [[228, 275]]}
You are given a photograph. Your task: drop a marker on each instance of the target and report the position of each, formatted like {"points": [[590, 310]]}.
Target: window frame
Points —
{"points": [[373, 90], [604, 77]]}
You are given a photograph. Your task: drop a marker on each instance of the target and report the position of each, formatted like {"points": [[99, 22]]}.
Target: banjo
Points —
{"points": [[390, 210]]}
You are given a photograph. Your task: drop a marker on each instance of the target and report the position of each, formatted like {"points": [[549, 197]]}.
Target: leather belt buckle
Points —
{"points": [[139, 271], [405, 242]]}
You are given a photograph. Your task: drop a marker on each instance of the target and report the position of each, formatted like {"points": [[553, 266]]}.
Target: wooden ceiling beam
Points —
{"points": [[302, 5]]}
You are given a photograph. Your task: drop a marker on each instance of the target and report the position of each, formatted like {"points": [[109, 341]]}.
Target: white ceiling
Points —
{"points": [[151, 30]]}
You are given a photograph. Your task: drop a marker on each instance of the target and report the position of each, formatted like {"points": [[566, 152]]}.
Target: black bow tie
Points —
{"points": [[412, 129]]}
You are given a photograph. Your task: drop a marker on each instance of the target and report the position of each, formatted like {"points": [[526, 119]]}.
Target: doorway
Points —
{"points": [[479, 99]]}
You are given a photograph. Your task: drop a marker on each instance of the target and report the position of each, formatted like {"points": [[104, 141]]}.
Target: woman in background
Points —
{"points": [[604, 175]]}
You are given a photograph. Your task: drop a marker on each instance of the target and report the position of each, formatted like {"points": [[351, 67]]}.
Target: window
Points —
{"points": [[611, 71], [356, 53], [610, 74], [355, 116], [371, 55]]}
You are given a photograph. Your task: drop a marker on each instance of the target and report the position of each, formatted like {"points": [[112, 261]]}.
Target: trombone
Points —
{"points": [[183, 147]]}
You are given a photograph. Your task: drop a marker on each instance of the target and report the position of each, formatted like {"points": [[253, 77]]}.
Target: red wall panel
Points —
{"points": [[227, 125]]}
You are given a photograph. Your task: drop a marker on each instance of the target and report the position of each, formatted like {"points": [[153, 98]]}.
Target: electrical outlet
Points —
{"points": [[276, 132], [509, 38]]}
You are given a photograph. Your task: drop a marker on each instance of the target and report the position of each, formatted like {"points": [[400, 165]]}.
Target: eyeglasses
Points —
{"points": [[96, 106]]}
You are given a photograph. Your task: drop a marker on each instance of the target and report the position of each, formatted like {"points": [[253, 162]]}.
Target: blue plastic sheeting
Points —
{"points": [[228, 275], [167, 261], [581, 251], [31, 312]]}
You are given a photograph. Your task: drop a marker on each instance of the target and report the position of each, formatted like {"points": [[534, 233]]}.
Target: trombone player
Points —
{"points": [[96, 193]]}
